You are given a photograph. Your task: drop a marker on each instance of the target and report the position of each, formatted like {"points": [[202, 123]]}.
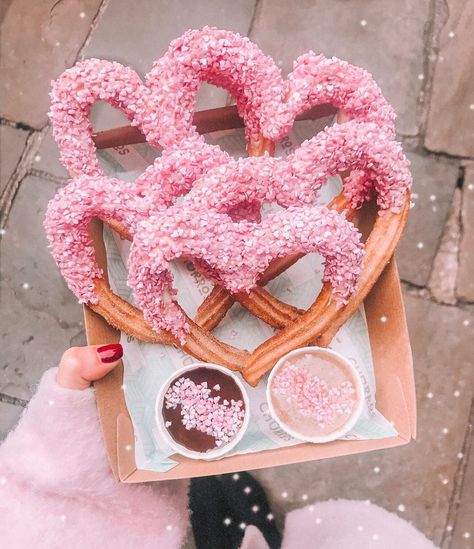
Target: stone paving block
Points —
{"points": [[38, 41], [137, 37], [9, 416], [40, 316], [442, 283], [465, 281], [415, 481], [12, 143], [463, 528], [450, 124], [434, 183], [382, 36], [47, 158]]}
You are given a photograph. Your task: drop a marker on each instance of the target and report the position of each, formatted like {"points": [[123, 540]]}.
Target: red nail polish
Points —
{"points": [[110, 353]]}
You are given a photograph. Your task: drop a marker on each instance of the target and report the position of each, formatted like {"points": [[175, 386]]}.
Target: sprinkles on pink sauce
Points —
{"points": [[204, 228], [313, 397], [219, 419]]}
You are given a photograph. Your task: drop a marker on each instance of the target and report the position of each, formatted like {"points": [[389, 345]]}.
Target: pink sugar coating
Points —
{"points": [[267, 103], [66, 224], [72, 95], [238, 253], [313, 397], [201, 411], [378, 167], [163, 109]]}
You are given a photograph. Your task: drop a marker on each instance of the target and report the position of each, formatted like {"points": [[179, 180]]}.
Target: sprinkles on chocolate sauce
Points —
{"points": [[203, 228], [199, 410]]}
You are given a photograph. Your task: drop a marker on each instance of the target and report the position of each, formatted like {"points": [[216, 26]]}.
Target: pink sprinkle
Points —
{"points": [[312, 396], [205, 413]]}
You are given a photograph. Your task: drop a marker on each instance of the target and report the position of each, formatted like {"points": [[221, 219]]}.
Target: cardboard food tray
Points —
{"points": [[393, 367], [389, 343]]}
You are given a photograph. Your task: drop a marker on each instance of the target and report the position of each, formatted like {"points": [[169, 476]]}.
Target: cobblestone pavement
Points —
{"points": [[421, 53]]}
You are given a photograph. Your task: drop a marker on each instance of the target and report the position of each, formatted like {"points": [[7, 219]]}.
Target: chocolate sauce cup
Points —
{"points": [[210, 454], [352, 374]]}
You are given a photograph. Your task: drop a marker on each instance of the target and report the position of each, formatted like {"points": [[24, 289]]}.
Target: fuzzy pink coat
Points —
{"points": [[57, 491]]}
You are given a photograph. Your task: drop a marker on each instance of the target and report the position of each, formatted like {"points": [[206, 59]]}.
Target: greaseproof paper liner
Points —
{"points": [[147, 366]]}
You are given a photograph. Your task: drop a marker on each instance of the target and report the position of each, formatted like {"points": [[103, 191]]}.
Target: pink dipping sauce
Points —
{"points": [[315, 394]]}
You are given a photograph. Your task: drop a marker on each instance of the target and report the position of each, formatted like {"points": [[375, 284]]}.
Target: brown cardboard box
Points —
{"points": [[390, 351], [395, 396]]}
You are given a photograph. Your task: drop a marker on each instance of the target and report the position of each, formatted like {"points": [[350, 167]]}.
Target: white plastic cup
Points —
{"points": [[179, 448], [351, 421]]}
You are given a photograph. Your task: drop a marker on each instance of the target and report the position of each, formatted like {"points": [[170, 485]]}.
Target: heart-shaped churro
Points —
{"points": [[144, 210]]}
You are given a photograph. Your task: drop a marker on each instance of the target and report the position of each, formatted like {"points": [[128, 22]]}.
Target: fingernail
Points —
{"points": [[110, 353]]}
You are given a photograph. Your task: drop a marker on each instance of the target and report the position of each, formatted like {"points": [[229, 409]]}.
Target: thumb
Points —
{"points": [[79, 366]]}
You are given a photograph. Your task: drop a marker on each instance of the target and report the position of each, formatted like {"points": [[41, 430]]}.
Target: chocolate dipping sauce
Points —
{"points": [[195, 439]]}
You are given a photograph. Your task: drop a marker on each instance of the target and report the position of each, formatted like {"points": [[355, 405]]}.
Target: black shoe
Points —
{"points": [[224, 505]]}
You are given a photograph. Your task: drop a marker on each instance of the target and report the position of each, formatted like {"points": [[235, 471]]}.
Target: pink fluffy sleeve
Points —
{"points": [[57, 490]]}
